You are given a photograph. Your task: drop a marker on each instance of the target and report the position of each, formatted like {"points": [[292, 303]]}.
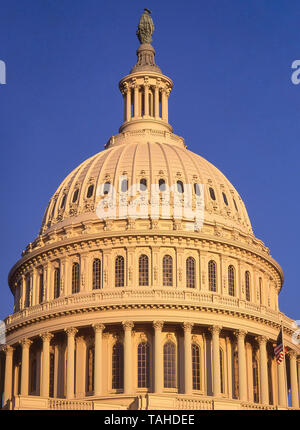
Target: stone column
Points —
{"points": [[263, 365], [25, 366], [44, 388], [158, 357], [215, 332], [282, 393], [229, 366], [98, 328], [127, 326], [71, 332], [128, 104], [242, 364], [294, 381], [188, 369], [156, 102], [146, 100], [8, 372], [164, 109], [136, 102]]}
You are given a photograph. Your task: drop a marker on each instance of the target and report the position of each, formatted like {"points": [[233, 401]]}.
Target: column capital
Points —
{"points": [[25, 343], [261, 340], [158, 325], [215, 329], [188, 326], [292, 354], [98, 327], [8, 349], [241, 334], [71, 331], [127, 325], [46, 337]]}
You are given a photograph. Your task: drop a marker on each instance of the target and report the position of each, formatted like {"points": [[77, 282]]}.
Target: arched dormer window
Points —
{"points": [[143, 270], [247, 285], [212, 193], [75, 196], [90, 191], [162, 185], [212, 276], [190, 273], [56, 286], [96, 274], [75, 278], [167, 271], [106, 188], [231, 280], [143, 184], [179, 187], [119, 271], [225, 199]]}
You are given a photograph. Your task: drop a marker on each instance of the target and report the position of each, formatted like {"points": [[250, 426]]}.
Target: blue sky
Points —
{"points": [[233, 101]]}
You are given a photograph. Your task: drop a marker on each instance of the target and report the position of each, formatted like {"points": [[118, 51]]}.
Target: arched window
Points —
{"points": [[190, 272], [63, 202], [27, 291], [221, 370], [212, 193], [162, 185], [96, 274], [119, 271], [197, 190], [196, 366], [75, 196], [225, 199], [90, 191], [231, 281], [143, 365], [167, 271], [106, 188], [56, 283], [117, 366], [143, 184], [143, 270], [235, 205], [212, 276], [124, 185], [75, 278], [247, 285], [90, 370], [169, 365], [255, 379], [179, 187], [41, 287]]}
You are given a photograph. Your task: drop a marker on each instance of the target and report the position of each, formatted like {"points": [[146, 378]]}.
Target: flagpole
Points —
{"points": [[284, 365]]}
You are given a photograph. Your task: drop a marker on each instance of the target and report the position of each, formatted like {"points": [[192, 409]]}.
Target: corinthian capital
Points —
{"points": [[215, 329], [25, 343], [46, 337], [158, 325], [71, 331], [262, 340], [240, 334], [187, 326], [127, 325], [98, 327]]}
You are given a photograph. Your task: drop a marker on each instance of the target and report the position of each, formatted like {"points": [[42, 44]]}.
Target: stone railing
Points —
{"points": [[62, 404], [145, 296], [185, 403]]}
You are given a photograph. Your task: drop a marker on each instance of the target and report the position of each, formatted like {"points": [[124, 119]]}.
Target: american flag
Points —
{"points": [[278, 348]]}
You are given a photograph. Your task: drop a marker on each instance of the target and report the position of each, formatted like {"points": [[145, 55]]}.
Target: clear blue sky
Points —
{"points": [[233, 101]]}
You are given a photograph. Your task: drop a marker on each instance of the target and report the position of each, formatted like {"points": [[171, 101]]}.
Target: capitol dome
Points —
{"points": [[146, 287]]}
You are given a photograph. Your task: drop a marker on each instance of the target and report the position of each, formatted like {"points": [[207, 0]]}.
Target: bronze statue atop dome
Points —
{"points": [[145, 27]]}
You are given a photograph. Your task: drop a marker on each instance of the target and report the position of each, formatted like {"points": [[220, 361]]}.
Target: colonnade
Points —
{"points": [[157, 364]]}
